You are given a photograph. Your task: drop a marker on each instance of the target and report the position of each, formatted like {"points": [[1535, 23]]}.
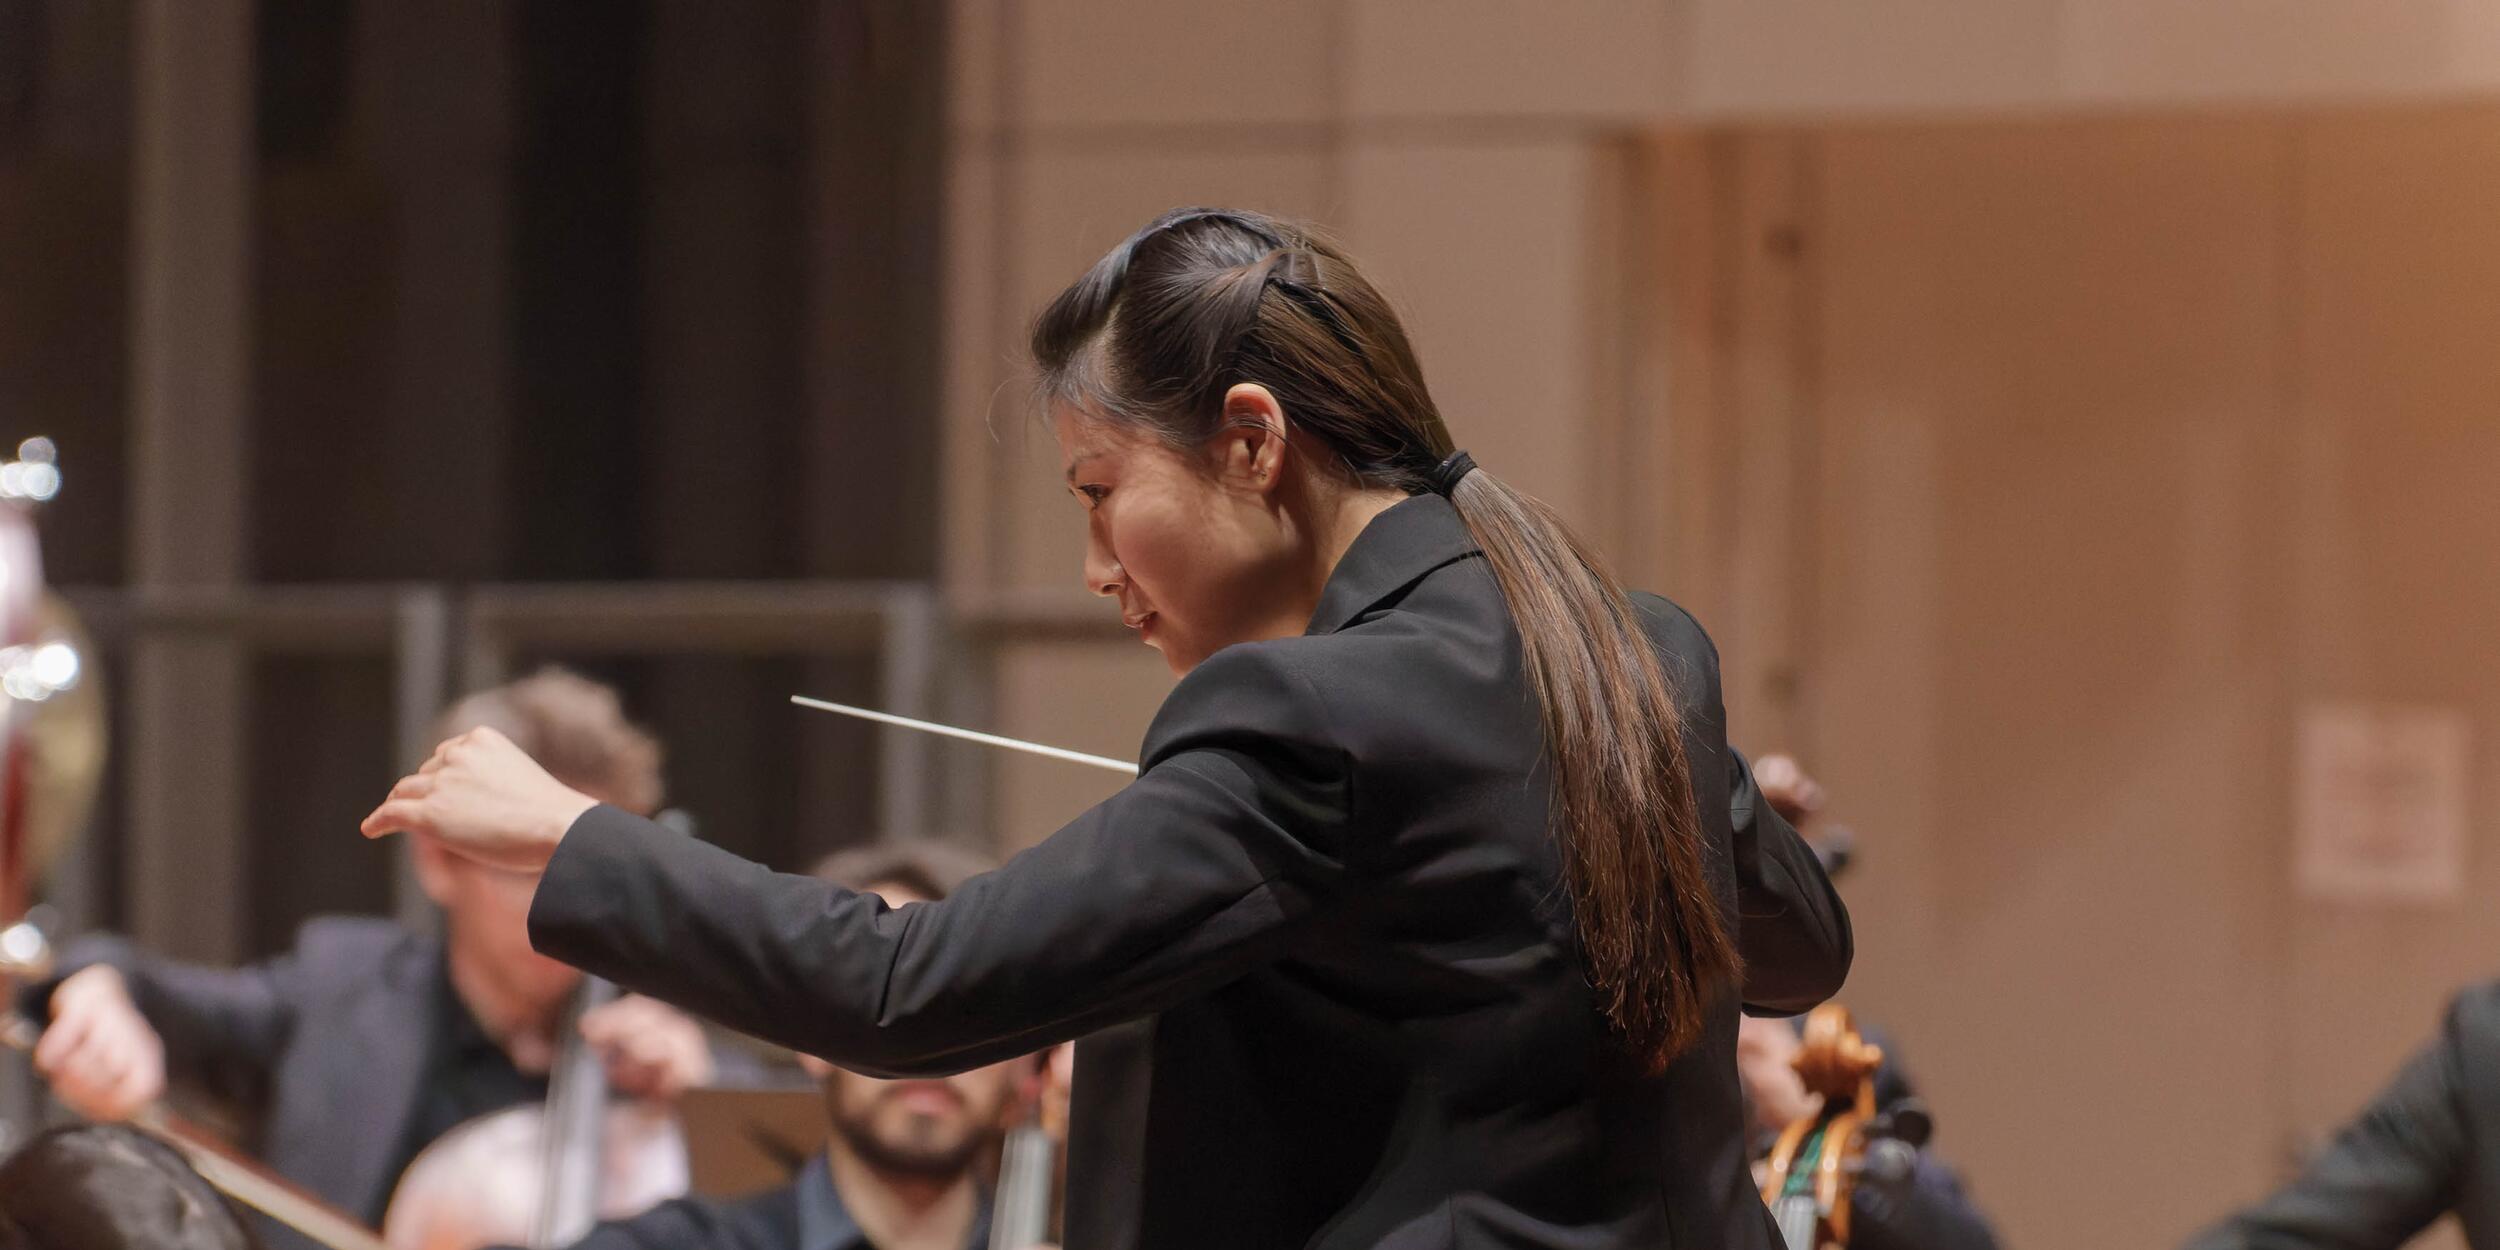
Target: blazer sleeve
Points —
{"points": [[1792, 928], [1204, 868], [223, 1028], [2388, 1173]]}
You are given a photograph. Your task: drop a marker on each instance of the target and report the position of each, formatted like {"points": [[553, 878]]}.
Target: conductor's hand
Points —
{"points": [[102, 1059], [651, 1050], [482, 797]]}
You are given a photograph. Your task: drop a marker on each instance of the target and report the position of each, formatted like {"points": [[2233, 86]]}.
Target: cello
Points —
{"points": [[539, 1175]]}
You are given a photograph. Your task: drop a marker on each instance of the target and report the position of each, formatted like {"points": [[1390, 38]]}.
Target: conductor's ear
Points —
{"points": [[1250, 450]]}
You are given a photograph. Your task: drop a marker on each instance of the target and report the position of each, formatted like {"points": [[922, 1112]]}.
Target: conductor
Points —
{"points": [[1428, 919]]}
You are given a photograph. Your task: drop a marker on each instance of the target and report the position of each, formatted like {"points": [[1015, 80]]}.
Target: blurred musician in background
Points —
{"points": [[903, 1164], [1923, 1210], [2429, 1144], [366, 1042]]}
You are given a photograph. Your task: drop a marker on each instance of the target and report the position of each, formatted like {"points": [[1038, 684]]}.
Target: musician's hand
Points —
{"points": [[652, 1050], [1796, 796], [486, 799], [1766, 1060], [102, 1059]]}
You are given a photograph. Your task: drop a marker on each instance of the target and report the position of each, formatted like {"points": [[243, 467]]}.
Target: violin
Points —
{"points": [[232, 1172], [1815, 1165]]}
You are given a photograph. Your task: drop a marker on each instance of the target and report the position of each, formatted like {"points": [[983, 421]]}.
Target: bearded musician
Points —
{"points": [[903, 1163], [366, 1042]]}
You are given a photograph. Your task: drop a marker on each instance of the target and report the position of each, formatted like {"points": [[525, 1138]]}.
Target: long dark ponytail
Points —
{"points": [[1152, 337]]}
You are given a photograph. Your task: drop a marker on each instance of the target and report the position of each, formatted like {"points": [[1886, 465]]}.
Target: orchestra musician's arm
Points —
{"points": [[122, 1022], [2396, 1167]]}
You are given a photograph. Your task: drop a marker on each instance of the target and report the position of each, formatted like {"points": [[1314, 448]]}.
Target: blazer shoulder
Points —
{"points": [[1269, 689], [1674, 628], [1691, 658]]}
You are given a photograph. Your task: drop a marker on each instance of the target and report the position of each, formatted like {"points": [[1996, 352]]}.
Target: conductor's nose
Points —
{"points": [[1103, 575]]}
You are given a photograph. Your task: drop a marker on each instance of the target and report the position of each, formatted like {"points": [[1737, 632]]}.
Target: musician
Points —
{"points": [[365, 1042], [111, 1187], [902, 1164], [1419, 926], [2428, 1145], [1925, 1210]]}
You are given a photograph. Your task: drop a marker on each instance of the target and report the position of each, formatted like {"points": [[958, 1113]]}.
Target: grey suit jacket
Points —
{"points": [[2429, 1144]]}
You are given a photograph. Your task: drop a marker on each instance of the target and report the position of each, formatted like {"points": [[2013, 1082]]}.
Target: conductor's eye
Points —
{"points": [[1092, 495]]}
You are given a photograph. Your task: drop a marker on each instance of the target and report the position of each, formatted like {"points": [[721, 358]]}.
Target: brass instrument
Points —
{"points": [[51, 765]]}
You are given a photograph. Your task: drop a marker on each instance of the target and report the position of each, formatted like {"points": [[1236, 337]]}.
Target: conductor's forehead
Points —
{"points": [[1083, 437]]}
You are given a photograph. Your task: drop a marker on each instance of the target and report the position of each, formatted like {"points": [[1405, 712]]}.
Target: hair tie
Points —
{"points": [[1446, 474]]}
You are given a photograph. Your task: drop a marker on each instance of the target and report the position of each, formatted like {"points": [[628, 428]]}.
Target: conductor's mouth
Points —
{"points": [[1143, 623]]}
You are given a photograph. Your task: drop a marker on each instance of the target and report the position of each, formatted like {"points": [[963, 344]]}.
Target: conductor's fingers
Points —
{"points": [[395, 816], [413, 786]]}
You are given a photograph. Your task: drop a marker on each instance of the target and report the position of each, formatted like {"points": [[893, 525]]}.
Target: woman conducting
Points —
{"points": [[1421, 925]]}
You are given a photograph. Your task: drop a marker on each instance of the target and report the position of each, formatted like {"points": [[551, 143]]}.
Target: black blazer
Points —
{"points": [[2428, 1145], [1323, 935], [325, 1045]]}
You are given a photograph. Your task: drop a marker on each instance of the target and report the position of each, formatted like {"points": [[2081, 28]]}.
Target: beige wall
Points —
{"points": [[2035, 461], [2051, 469]]}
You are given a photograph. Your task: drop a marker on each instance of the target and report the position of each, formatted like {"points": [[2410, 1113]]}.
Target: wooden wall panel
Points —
{"points": [[2397, 406], [2044, 355]]}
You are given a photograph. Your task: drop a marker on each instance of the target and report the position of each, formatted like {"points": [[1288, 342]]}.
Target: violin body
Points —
{"points": [[1817, 1160]]}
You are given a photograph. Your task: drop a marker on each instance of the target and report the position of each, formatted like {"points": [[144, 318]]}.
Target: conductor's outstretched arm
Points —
{"points": [[1205, 867]]}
